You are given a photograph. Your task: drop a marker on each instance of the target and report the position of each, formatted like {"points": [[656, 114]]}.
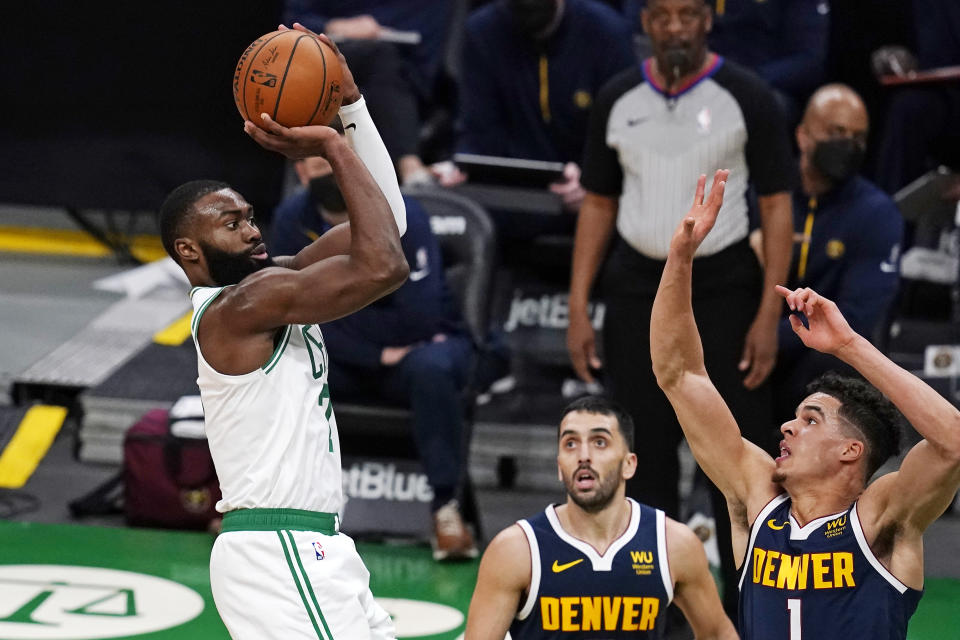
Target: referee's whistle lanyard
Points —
{"points": [[807, 235]]}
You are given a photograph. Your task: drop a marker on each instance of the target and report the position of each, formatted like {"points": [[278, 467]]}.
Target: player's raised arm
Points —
{"points": [[916, 495], [503, 577], [362, 136], [338, 285], [740, 469]]}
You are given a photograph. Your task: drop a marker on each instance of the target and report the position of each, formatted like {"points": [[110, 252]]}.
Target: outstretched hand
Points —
{"points": [[702, 215], [827, 330]]}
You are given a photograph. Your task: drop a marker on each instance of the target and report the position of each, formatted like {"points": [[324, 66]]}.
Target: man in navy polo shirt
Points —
{"points": [[847, 235]]}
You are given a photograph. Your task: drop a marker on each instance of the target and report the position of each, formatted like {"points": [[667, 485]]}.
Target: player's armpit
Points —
{"points": [[695, 591], [502, 581]]}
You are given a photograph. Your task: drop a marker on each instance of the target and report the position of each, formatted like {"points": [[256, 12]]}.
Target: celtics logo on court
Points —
{"points": [[415, 618], [76, 603]]}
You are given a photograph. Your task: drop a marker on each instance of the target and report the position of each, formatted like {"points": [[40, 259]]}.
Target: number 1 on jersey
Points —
{"points": [[793, 606]]}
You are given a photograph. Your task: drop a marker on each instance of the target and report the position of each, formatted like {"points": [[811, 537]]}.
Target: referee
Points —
{"points": [[686, 111]]}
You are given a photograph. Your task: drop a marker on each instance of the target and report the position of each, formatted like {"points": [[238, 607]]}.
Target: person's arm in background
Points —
{"points": [[760, 343], [603, 179], [773, 173], [804, 29], [595, 225]]}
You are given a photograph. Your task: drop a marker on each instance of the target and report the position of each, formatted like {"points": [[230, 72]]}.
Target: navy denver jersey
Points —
{"points": [[818, 581], [577, 593]]}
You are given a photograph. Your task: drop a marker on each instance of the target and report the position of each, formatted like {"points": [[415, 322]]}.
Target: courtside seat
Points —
{"points": [[379, 435]]}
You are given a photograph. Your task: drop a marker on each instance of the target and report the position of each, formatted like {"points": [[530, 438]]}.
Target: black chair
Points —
{"points": [[466, 237]]}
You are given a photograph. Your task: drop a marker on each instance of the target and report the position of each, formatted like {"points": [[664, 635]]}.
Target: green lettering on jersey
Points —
{"points": [[316, 363]]}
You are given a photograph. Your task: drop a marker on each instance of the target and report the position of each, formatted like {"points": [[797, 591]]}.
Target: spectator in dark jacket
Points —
{"points": [[529, 74], [410, 347], [847, 235]]}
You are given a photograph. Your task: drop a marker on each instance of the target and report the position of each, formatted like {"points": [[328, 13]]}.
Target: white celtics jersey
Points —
{"points": [[272, 432]]}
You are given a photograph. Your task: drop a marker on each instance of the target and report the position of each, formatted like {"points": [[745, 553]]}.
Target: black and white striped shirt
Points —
{"points": [[648, 148]]}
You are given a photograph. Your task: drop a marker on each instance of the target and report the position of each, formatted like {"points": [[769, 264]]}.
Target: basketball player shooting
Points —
{"points": [[826, 555], [280, 568]]}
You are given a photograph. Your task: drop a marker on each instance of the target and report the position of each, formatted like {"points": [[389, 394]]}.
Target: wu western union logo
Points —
{"points": [[783, 571], [772, 523], [642, 562], [642, 557], [557, 567], [836, 527], [598, 613]]}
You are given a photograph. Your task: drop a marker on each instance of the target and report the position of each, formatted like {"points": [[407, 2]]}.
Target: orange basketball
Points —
{"points": [[290, 75]]}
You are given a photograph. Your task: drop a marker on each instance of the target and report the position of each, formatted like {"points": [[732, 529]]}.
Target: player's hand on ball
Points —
{"points": [[351, 93], [293, 142]]}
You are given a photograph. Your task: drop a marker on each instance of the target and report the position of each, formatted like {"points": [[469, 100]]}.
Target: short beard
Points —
{"points": [[230, 268], [603, 495]]}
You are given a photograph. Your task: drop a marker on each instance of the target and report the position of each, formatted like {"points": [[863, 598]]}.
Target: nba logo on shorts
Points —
{"points": [[318, 549]]}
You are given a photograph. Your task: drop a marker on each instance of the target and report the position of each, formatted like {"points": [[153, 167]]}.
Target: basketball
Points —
{"points": [[290, 75]]}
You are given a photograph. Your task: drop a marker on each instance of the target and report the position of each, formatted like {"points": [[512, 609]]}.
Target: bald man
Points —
{"points": [[847, 235]]}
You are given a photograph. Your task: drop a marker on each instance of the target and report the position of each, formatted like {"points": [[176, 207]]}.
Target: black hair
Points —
{"points": [[604, 407], [869, 411], [178, 206]]}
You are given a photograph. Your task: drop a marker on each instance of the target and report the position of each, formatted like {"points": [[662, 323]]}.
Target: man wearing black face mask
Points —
{"points": [[847, 234], [410, 347]]}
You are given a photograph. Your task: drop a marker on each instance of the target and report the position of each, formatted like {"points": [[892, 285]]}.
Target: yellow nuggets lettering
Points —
{"points": [[598, 613], [783, 571]]}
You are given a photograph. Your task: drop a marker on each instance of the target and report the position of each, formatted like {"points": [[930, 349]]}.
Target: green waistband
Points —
{"points": [[280, 519]]}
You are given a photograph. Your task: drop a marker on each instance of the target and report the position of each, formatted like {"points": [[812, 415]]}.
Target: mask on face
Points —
{"points": [[325, 193], [230, 268], [838, 159], [533, 18]]}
